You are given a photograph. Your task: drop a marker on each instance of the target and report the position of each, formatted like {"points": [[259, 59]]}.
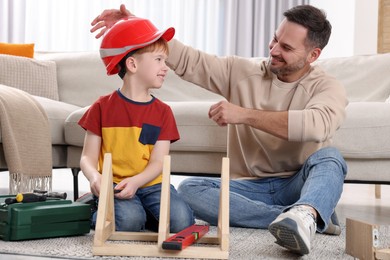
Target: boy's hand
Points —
{"points": [[127, 189], [108, 18], [95, 185]]}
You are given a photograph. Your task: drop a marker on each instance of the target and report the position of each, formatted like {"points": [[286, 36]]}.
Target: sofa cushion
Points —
{"points": [[179, 90], [57, 112], [197, 131], [38, 78], [81, 77], [74, 133], [365, 132], [83, 82], [362, 75]]}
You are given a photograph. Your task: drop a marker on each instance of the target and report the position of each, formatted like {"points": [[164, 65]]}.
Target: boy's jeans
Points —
{"points": [[255, 203], [143, 211]]}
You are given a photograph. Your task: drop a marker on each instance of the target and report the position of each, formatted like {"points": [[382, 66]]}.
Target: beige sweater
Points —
{"points": [[316, 105]]}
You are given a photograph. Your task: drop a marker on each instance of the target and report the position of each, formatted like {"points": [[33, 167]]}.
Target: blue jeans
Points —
{"points": [[255, 203], [143, 211]]}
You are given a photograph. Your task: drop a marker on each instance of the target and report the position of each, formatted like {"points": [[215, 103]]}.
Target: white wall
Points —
{"points": [[354, 26]]}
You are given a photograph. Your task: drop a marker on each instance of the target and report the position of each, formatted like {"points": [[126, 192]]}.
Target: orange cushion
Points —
{"points": [[24, 50]]}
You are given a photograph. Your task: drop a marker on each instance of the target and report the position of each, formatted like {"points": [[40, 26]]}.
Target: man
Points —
{"points": [[282, 113]]}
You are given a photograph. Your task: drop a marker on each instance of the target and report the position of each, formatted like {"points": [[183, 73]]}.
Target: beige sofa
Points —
{"points": [[363, 139]]}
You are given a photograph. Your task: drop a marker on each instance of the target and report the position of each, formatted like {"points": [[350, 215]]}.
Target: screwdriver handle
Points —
{"points": [[30, 197]]}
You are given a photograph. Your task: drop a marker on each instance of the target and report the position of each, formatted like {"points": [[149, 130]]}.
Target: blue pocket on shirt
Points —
{"points": [[149, 134]]}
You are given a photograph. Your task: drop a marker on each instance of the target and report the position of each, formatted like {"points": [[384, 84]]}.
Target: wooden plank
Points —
{"points": [[134, 236], [361, 238], [163, 228], [105, 222], [223, 213], [154, 251], [383, 254]]}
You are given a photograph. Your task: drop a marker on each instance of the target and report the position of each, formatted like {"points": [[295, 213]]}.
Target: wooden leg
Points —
{"points": [[378, 190], [163, 227], [223, 214], [105, 222]]}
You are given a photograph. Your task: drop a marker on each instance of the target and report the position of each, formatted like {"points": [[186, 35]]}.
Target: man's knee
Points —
{"points": [[186, 185], [329, 154], [192, 186]]}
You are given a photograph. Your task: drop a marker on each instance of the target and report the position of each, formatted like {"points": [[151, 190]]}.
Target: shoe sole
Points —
{"points": [[286, 234]]}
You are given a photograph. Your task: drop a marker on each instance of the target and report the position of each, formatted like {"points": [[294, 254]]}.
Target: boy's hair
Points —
{"points": [[314, 20], [160, 44]]}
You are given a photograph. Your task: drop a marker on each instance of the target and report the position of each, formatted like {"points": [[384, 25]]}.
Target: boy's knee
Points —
{"points": [[133, 222], [180, 222]]}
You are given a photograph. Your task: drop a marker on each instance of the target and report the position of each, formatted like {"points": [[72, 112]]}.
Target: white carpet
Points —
{"points": [[244, 244]]}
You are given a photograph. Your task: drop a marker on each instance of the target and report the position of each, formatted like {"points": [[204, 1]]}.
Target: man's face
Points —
{"points": [[289, 56]]}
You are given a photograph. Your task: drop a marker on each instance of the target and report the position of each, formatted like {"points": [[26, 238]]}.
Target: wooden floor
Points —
{"points": [[358, 202]]}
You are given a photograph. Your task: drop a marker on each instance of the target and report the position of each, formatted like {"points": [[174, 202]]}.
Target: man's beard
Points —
{"points": [[287, 69]]}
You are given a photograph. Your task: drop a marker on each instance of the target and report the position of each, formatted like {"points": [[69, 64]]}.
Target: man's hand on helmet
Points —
{"points": [[108, 18]]}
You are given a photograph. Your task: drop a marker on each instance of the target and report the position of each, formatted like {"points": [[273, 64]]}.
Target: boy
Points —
{"points": [[135, 127]]}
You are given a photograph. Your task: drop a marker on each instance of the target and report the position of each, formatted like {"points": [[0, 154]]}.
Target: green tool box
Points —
{"points": [[50, 218]]}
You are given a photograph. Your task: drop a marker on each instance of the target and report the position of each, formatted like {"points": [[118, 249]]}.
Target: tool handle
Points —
{"points": [[9, 201], [30, 197]]}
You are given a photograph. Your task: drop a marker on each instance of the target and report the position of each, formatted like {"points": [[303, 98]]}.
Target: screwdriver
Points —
{"points": [[26, 197]]}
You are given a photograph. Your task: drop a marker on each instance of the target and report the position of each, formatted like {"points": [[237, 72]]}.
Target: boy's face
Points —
{"points": [[151, 68]]}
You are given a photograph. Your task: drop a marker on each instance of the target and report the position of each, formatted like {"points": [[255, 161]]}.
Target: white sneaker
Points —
{"points": [[294, 229]]}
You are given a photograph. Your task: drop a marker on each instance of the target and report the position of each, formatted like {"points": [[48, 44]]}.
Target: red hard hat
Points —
{"points": [[126, 36]]}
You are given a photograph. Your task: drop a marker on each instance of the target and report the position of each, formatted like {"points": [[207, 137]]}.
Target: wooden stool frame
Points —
{"points": [[362, 240], [105, 224]]}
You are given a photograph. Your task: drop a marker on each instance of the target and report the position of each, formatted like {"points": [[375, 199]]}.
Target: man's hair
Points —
{"points": [[160, 44], [314, 20]]}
